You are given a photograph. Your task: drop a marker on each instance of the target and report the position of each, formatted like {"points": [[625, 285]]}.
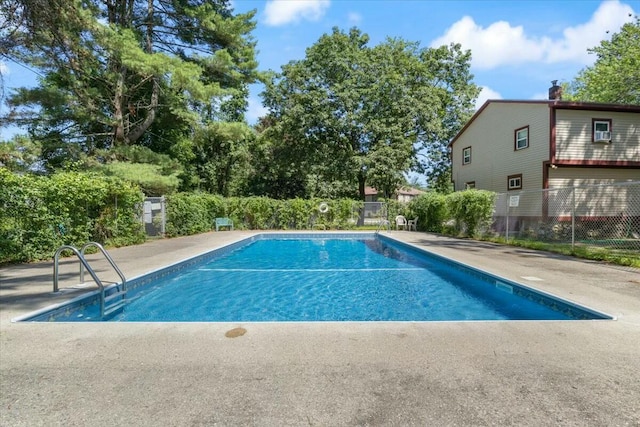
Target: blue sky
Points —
{"points": [[518, 47]]}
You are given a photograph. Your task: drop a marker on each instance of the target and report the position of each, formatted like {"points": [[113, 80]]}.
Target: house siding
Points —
{"points": [[576, 176], [593, 198], [574, 136], [493, 156]]}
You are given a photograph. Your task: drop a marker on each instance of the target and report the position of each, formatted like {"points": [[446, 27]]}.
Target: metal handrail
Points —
{"points": [[384, 221], [108, 257], [83, 262]]}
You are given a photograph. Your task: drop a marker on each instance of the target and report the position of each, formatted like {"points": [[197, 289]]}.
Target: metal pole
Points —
{"points": [[507, 200], [164, 213], [573, 218]]}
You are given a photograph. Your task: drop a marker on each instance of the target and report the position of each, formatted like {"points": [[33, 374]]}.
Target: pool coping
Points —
{"points": [[498, 280]]}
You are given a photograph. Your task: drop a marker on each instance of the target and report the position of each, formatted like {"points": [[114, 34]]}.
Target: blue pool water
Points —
{"points": [[368, 278]]}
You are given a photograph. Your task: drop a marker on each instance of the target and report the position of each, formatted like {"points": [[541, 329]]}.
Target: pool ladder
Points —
{"points": [[108, 304], [384, 221]]}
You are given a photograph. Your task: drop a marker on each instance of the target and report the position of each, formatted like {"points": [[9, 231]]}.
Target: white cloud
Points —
{"points": [[255, 110], [496, 45], [281, 12], [485, 94], [502, 44], [354, 18], [610, 16], [4, 68]]}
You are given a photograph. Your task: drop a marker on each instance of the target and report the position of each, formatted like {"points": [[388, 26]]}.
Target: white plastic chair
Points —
{"points": [[401, 222], [412, 224]]}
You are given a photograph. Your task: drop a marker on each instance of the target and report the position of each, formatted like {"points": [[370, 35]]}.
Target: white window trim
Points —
{"points": [[526, 139], [466, 159], [595, 130], [515, 179]]}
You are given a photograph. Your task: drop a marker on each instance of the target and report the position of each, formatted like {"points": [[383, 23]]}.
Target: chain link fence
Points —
{"points": [[373, 213], [606, 216]]}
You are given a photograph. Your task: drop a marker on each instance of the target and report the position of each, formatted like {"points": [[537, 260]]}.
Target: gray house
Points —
{"points": [[525, 145], [520, 146]]}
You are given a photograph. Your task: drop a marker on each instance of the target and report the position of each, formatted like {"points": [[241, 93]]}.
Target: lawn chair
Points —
{"points": [[401, 222], [412, 224]]}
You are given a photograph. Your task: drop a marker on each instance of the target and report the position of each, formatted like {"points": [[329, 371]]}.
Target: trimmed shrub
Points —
{"points": [[431, 210], [471, 209], [260, 213], [189, 213], [192, 213], [343, 211], [41, 213], [118, 222], [295, 214]]}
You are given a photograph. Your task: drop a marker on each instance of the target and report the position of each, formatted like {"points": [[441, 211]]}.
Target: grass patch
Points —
{"points": [[627, 258]]}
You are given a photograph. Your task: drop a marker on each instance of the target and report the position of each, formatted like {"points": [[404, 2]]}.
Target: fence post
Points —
{"points": [[573, 217], [507, 231], [164, 215]]}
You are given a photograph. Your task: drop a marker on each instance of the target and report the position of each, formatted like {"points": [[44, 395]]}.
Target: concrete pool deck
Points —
{"points": [[569, 373]]}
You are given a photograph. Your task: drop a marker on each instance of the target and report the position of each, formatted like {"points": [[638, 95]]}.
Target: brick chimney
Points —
{"points": [[555, 91]]}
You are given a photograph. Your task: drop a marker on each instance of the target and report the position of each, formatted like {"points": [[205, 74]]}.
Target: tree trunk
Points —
{"points": [[139, 130], [118, 115]]}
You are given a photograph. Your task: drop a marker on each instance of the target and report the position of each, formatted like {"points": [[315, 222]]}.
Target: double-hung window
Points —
{"points": [[521, 138], [466, 156]]}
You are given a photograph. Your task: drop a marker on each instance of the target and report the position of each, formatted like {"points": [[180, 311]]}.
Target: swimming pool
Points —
{"points": [[323, 277]]}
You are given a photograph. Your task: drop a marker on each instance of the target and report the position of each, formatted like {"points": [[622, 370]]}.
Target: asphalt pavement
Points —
{"points": [[521, 373]]}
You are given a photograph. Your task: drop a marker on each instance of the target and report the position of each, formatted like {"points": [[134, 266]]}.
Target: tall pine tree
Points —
{"points": [[112, 70]]}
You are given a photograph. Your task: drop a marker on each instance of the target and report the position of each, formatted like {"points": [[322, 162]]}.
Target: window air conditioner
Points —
{"points": [[602, 136]]}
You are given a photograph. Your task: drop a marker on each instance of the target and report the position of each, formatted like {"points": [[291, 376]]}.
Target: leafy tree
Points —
{"points": [[278, 168], [8, 27], [615, 76], [20, 154], [438, 167], [221, 156], [359, 114], [111, 69]]}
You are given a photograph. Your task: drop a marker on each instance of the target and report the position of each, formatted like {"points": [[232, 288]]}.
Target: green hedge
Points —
{"points": [[460, 213], [431, 210], [38, 214], [471, 210], [192, 213]]}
